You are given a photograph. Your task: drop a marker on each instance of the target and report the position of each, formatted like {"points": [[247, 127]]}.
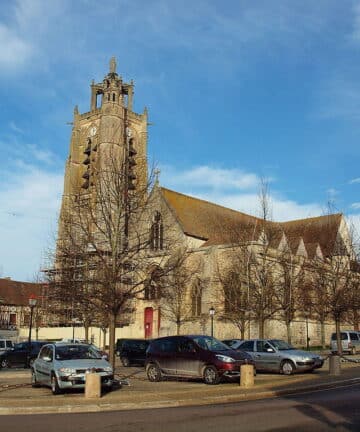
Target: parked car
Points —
{"points": [[18, 356], [233, 343], [103, 354], [350, 342], [194, 356], [81, 341], [6, 345], [132, 351], [63, 366], [275, 355]]}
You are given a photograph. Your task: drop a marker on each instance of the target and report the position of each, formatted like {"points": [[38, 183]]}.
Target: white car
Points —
{"points": [[64, 366]]}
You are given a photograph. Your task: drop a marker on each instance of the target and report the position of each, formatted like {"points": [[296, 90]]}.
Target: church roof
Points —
{"points": [[220, 225]]}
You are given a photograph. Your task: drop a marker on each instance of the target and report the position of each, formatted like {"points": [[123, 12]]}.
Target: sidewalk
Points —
{"points": [[18, 397]]}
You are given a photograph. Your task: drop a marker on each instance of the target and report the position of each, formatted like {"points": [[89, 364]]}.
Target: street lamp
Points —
{"points": [[32, 304], [212, 313]]}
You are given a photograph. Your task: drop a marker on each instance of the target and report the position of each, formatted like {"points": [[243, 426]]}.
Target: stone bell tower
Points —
{"points": [[109, 128]]}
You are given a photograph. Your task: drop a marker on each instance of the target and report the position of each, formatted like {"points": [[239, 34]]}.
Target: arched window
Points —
{"points": [[235, 293], [156, 232], [196, 299], [153, 285], [113, 97]]}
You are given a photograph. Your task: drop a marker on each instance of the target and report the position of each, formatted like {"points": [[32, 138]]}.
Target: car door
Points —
{"points": [[268, 357], [167, 349], [43, 365], [19, 355], [188, 361]]}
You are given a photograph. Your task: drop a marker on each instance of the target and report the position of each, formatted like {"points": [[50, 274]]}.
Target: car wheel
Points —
{"points": [[211, 375], [55, 385], [5, 363], [287, 367], [125, 361], [153, 373], [34, 382]]}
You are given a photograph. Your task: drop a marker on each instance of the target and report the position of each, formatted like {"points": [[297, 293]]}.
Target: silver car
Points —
{"points": [[275, 355], [64, 366]]}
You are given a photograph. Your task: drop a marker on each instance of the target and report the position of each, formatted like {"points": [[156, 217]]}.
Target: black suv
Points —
{"points": [[132, 351], [195, 356], [19, 355]]}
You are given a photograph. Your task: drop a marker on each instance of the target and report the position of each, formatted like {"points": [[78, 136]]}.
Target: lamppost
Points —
{"points": [[32, 304], [212, 313], [307, 330]]}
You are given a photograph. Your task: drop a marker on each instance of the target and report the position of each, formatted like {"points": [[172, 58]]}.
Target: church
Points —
{"points": [[223, 244]]}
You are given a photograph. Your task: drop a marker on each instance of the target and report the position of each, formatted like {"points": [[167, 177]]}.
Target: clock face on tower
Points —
{"points": [[93, 131]]}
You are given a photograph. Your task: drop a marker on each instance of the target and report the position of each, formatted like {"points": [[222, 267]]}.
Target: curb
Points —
{"points": [[168, 403]]}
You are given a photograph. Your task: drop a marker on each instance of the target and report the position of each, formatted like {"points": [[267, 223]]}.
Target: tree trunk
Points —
{"points": [[104, 338], [112, 339], [356, 320], [288, 331], [178, 326], [261, 328], [322, 329], [86, 332], [242, 330], [338, 336]]}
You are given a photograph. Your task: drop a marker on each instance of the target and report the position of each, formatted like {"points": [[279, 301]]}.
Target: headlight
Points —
{"points": [[67, 371], [108, 369], [225, 359]]}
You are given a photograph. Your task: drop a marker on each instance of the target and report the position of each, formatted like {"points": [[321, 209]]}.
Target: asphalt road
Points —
{"points": [[328, 410]]}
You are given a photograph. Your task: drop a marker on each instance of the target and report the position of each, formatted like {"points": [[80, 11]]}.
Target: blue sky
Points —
{"points": [[236, 90]]}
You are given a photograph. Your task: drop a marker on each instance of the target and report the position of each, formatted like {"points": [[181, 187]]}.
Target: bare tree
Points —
{"points": [[236, 295], [179, 288], [263, 264], [102, 254]]}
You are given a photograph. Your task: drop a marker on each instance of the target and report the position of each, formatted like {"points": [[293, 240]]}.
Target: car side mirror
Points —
{"points": [[47, 358], [270, 350]]}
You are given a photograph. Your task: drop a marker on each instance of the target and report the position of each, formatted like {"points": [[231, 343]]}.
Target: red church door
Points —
{"points": [[148, 322]]}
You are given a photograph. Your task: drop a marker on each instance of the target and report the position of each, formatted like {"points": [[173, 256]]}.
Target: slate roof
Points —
{"points": [[17, 293], [220, 225]]}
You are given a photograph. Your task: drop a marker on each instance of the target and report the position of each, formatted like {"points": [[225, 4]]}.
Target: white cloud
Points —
{"points": [[14, 50], [40, 155], [355, 205], [15, 128], [355, 180], [209, 177], [332, 193], [234, 189], [355, 35], [30, 202]]}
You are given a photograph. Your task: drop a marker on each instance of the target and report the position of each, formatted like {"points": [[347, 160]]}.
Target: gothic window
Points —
{"points": [[234, 293], [153, 285], [156, 232], [113, 97], [196, 299]]}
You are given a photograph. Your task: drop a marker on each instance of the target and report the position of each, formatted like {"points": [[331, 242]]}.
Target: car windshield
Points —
{"points": [[210, 344], [76, 352], [281, 345]]}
